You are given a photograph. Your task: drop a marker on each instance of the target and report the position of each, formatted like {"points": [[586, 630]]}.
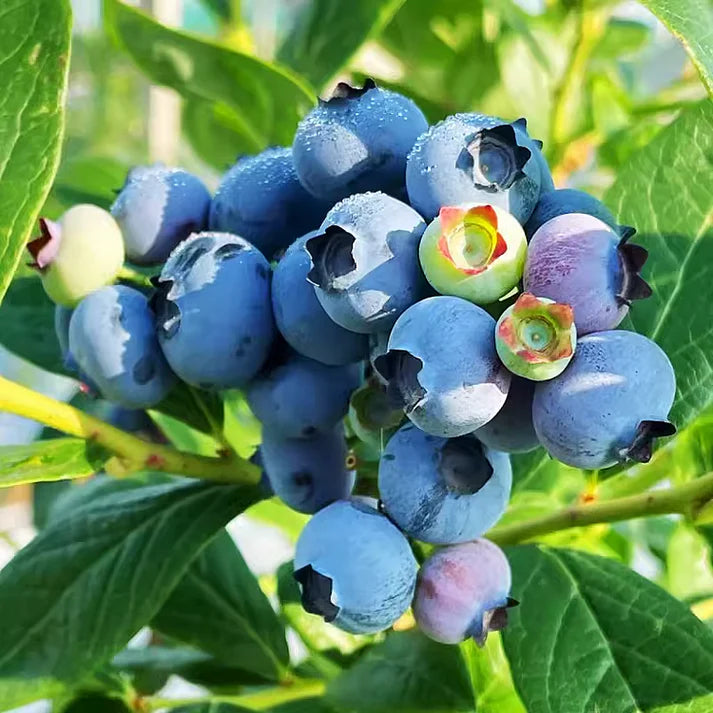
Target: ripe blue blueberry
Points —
{"points": [[215, 322], [442, 368], [297, 397], [463, 592], [112, 336], [157, 208], [610, 403], [579, 260], [365, 261], [307, 473], [357, 141], [355, 568], [261, 200], [443, 490], [302, 320], [511, 428], [564, 201], [474, 158], [62, 317]]}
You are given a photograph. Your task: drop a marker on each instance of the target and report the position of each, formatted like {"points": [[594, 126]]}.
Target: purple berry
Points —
{"points": [[578, 260], [462, 592]]}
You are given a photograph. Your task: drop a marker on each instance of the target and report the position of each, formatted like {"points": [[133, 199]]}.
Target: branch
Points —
{"points": [[133, 452], [686, 499]]}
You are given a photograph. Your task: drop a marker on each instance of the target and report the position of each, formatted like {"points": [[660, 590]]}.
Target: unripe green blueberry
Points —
{"points": [[476, 252], [80, 253], [536, 337]]}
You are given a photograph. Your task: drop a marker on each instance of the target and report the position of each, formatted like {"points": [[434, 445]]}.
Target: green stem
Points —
{"points": [[215, 427], [589, 29], [133, 452], [258, 701], [686, 499], [128, 274]]}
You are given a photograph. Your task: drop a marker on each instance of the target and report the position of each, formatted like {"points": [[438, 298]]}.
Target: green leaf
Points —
{"points": [[27, 318], [407, 672], [691, 21], [490, 677], [591, 635], [266, 100], [77, 593], [326, 37], [34, 55], [43, 461], [689, 575], [443, 51], [218, 607], [181, 404], [89, 179], [155, 662], [215, 132], [183, 437], [21, 691], [93, 702], [274, 512], [662, 191]]}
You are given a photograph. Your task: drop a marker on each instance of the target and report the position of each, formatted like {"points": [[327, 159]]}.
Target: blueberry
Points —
{"points": [[609, 404], [62, 317], [302, 320], [463, 592], [355, 568], [299, 397], [473, 251], [112, 336], [357, 141], [215, 322], [157, 208], [442, 368], [365, 261], [80, 253], [536, 337], [474, 158], [261, 200], [511, 429], [578, 260], [443, 490], [307, 473], [563, 202]]}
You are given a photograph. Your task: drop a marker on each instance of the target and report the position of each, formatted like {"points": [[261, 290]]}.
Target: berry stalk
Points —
{"points": [[687, 499], [133, 452]]}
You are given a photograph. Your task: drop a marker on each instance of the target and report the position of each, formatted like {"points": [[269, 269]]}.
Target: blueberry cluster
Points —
{"points": [[382, 286]]}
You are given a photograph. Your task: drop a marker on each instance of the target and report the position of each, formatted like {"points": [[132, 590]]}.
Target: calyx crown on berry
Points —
{"points": [[633, 257], [345, 91], [45, 247]]}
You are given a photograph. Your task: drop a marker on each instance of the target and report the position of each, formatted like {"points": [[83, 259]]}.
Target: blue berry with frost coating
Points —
{"points": [[474, 158], [610, 403], [443, 490], [563, 202], [62, 317], [302, 320], [261, 199], [442, 368], [307, 473], [214, 315], [365, 265], [112, 336], [354, 567], [298, 397], [578, 260], [157, 208], [511, 429], [463, 592], [357, 141]]}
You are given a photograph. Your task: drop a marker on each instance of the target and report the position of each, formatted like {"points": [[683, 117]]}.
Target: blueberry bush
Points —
{"points": [[430, 299]]}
